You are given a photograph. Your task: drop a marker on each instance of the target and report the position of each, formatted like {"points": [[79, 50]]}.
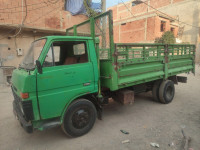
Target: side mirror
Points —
{"points": [[39, 66]]}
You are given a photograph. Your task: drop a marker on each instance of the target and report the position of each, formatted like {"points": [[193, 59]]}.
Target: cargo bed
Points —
{"points": [[124, 65], [140, 63]]}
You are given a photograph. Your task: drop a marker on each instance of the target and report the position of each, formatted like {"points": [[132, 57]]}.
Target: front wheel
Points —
{"points": [[79, 118], [166, 91]]}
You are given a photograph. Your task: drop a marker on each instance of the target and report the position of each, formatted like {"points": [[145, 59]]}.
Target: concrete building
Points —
{"points": [[39, 18], [140, 22]]}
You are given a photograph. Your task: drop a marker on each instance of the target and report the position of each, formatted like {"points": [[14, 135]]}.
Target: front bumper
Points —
{"points": [[17, 112]]}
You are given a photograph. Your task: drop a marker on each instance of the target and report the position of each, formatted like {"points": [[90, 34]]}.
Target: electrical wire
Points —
{"points": [[135, 17], [22, 24], [158, 11], [169, 15], [44, 2], [54, 9], [53, 1], [21, 6], [12, 12], [6, 35], [128, 8]]}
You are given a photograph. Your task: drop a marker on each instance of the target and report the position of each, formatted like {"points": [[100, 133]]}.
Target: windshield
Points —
{"points": [[33, 54]]}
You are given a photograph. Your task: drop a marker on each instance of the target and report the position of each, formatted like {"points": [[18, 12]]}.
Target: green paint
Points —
{"points": [[127, 64]]}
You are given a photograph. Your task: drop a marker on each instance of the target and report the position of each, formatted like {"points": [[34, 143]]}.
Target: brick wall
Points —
{"points": [[40, 13], [132, 31], [120, 11], [142, 24], [159, 3]]}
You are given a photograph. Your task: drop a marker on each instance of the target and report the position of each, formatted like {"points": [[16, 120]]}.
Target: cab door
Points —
{"points": [[67, 73]]}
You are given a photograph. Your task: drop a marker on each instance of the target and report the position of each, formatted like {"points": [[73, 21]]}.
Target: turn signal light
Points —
{"points": [[24, 95]]}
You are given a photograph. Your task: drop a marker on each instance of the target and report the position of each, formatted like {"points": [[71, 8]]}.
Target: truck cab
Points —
{"points": [[56, 71]]}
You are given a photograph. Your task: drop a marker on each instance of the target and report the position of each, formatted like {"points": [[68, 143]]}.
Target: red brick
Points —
{"points": [[122, 8], [115, 13], [116, 33], [159, 3], [135, 25], [151, 28], [141, 8], [176, 1], [125, 14], [133, 36]]}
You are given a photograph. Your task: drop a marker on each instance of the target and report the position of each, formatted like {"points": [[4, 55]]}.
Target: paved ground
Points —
{"points": [[145, 120]]}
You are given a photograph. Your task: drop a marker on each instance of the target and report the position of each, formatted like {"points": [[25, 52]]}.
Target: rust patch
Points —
{"points": [[166, 54], [52, 22]]}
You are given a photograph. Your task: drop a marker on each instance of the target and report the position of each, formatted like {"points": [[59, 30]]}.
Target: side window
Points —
{"points": [[79, 49], [66, 53], [73, 53], [49, 59], [56, 54]]}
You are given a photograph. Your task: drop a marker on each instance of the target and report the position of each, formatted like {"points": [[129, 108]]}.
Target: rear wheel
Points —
{"points": [[155, 91], [166, 91], [79, 118]]}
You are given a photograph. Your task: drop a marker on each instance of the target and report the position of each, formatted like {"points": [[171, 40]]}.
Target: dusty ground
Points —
{"points": [[145, 120]]}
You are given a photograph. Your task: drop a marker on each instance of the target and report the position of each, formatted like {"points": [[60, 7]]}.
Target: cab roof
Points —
{"points": [[67, 37]]}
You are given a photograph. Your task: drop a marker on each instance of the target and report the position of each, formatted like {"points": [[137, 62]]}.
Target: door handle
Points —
{"points": [[86, 84]]}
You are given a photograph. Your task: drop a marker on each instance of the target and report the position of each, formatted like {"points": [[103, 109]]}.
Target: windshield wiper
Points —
{"points": [[20, 67]]}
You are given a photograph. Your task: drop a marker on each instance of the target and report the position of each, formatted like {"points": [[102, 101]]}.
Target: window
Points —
{"points": [[49, 58], [79, 49], [33, 54], [172, 30], [56, 54], [162, 26], [66, 53], [134, 3]]}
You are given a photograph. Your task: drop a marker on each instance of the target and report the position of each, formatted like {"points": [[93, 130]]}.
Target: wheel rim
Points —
{"points": [[169, 92], [81, 118]]}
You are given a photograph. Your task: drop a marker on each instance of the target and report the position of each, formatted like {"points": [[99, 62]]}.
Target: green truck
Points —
{"points": [[66, 80]]}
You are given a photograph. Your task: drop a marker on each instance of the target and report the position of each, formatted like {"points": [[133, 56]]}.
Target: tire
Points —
{"points": [[79, 118], [166, 92], [155, 90]]}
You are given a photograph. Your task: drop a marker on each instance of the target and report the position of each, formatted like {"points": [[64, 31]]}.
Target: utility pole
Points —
{"points": [[103, 3]]}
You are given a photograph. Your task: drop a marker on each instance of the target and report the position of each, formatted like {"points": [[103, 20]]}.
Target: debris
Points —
{"points": [[155, 145], [172, 144], [186, 141], [125, 132], [125, 141], [183, 126]]}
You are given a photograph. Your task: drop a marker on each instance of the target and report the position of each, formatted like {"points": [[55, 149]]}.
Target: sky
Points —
{"points": [[110, 3]]}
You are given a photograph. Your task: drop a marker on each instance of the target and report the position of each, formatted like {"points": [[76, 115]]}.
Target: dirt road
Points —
{"points": [[145, 120]]}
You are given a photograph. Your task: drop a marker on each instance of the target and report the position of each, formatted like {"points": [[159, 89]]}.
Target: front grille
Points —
{"points": [[26, 106], [16, 97], [28, 110]]}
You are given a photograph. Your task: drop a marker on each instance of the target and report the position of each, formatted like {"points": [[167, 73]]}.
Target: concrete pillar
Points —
{"points": [[2, 81], [145, 32]]}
